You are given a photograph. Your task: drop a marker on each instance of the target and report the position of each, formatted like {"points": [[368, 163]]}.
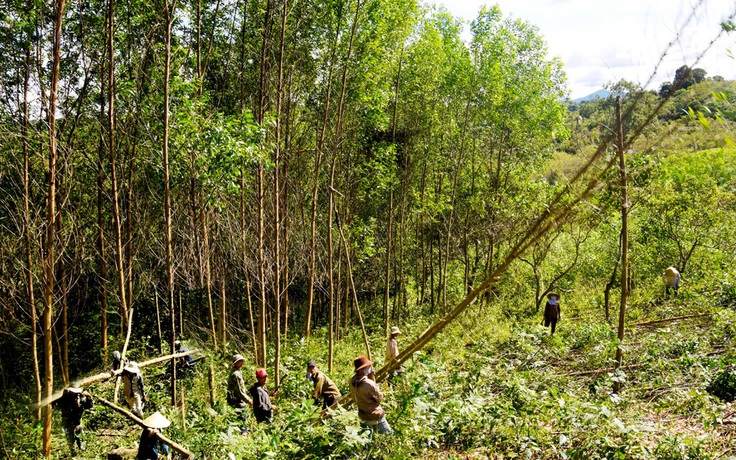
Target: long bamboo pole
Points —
{"points": [[102, 376], [177, 447]]}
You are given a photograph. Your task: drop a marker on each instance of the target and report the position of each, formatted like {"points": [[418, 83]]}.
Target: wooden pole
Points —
{"points": [[352, 283], [177, 447], [102, 376], [624, 242]]}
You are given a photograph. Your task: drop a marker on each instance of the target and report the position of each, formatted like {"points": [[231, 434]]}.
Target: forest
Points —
{"points": [[290, 180]]}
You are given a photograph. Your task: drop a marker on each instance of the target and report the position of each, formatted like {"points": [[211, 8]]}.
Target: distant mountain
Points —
{"points": [[601, 93]]}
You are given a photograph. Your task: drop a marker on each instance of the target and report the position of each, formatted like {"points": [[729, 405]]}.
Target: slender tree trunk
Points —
{"points": [[49, 262], [330, 262], [315, 189], [63, 283], [122, 286], [244, 249], [222, 323], [387, 281], [262, 95], [102, 262], [170, 9], [277, 201], [624, 242], [27, 233], [204, 221], [158, 322], [389, 231]]}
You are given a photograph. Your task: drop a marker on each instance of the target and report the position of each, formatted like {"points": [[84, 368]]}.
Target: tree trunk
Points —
{"points": [[170, 9], [102, 262], [624, 242], [27, 233], [122, 286], [49, 262], [330, 262], [204, 221]]}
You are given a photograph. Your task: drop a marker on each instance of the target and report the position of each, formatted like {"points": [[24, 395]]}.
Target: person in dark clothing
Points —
{"points": [[73, 403], [324, 387], [262, 407], [150, 446], [187, 362], [552, 311]]}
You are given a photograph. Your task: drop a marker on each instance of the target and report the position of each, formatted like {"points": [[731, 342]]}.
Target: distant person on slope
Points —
{"points": [[324, 387], [368, 398], [552, 312], [392, 352]]}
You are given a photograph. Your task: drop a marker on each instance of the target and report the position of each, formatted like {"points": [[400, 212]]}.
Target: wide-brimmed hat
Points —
{"points": [[312, 364], [237, 358], [395, 330], [74, 390], [553, 294], [361, 362], [132, 367], [156, 421], [260, 373], [177, 343]]}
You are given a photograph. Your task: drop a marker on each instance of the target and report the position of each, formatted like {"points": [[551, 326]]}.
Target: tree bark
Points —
{"points": [[624, 242], [27, 233], [170, 9], [49, 262]]}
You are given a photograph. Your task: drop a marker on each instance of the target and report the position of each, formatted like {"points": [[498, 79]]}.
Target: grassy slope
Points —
{"points": [[488, 387]]}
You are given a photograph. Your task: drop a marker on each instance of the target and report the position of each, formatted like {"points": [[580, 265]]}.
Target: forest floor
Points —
{"points": [[498, 388]]}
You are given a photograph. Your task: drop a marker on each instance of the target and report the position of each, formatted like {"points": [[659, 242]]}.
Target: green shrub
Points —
{"points": [[724, 385]]}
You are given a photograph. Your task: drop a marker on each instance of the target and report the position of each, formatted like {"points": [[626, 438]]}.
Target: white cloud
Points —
{"points": [[622, 38]]}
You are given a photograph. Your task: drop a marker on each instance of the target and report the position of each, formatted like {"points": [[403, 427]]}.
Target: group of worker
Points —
{"points": [[366, 393]]}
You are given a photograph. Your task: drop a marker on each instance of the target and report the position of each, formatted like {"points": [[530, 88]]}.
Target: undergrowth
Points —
{"points": [[487, 387]]}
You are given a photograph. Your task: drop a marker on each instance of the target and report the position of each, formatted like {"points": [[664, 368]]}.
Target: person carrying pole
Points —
{"points": [[133, 389], [73, 403], [236, 394], [150, 446], [368, 398], [324, 387], [392, 351]]}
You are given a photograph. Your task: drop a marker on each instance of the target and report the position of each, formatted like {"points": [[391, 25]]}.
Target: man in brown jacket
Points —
{"points": [[324, 387], [368, 397]]}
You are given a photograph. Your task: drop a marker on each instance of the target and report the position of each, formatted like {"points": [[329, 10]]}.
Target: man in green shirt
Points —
{"points": [[323, 387], [237, 396]]}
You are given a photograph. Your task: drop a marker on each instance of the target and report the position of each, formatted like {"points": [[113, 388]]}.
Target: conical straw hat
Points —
{"points": [[156, 421]]}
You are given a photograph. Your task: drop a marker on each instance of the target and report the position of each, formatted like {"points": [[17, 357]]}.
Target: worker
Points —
{"points": [[368, 397], [236, 393], [133, 388], [150, 445], [73, 403], [324, 388], [552, 311], [392, 352], [262, 407]]}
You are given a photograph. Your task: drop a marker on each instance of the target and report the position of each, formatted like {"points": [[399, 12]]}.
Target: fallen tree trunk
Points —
{"points": [[667, 320], [102, 376], [177, 447], [603, 371]]}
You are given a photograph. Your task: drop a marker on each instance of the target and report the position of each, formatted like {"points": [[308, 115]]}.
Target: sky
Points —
{"points": [[601, 41]]}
